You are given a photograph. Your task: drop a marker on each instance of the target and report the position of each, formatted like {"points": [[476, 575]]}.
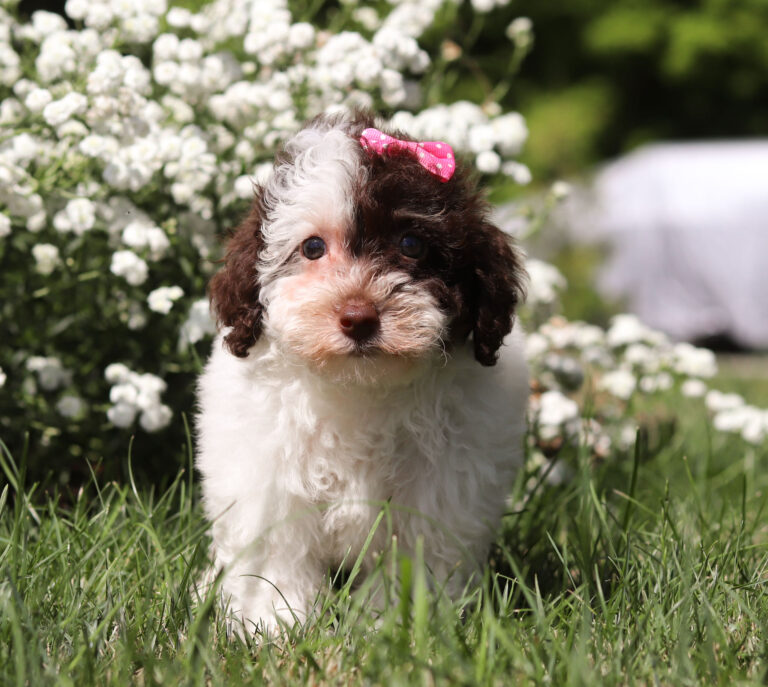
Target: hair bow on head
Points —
{"points": [[434, 156]]}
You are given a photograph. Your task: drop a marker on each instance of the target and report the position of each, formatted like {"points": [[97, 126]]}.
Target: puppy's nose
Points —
{"points": [[359, 320]]}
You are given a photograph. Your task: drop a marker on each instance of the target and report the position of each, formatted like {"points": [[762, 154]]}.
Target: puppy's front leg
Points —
{"points": [[273, 587]]}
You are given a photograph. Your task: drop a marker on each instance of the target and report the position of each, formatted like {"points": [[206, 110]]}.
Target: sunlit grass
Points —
{"points": [[649, 569]]}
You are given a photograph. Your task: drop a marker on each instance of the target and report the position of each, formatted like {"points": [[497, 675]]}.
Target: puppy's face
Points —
{"points": [[364, 268]]}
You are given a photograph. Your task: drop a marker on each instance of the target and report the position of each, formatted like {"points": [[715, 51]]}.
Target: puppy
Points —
{"points": [[365, 357]]}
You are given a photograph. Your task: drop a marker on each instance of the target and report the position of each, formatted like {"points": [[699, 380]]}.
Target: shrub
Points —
{"points": [[129, 141]]}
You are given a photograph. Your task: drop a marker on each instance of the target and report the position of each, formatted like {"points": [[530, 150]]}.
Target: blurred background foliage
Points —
{"points": [[607, 75]]}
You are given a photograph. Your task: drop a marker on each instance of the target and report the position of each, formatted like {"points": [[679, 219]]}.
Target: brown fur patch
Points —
{"points": [[234, 291]]}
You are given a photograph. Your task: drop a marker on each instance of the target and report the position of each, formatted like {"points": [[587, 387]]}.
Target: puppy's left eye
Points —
{"points": [[412, 246], [313, 248]]}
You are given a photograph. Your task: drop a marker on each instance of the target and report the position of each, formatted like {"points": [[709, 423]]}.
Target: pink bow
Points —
{"points": [[434, 156]]}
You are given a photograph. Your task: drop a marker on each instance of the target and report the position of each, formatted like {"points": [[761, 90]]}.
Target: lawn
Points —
{"points": [[643, 569], [618, 562]]}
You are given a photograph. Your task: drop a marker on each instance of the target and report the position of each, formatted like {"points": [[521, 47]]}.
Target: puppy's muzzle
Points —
{"points": [[359, 320]]}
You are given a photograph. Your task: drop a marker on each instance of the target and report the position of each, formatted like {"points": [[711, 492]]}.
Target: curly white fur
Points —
{"points": [[301, 441], [295, 465]]}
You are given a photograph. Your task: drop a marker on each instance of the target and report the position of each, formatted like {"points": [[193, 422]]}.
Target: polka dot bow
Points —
{"points": [[434, 156]]}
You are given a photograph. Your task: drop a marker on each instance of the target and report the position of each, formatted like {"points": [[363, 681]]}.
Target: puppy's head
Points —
{"points": [[364, 266]]}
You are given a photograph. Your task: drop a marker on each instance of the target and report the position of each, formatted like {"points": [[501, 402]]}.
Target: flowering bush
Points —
{"points": [[590, 385], [130, 143]]}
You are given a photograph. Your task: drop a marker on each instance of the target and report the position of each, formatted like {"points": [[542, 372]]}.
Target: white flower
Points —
{"points": [[368, 70], [124, 393], [116, 373], [165, 73], [155, 418], [199, 323], [140, 234], [653, 383], [46, 257], [561, 190], [627, 436], [3, 378], [620, 383], [161, 299], [11, 110], [99, 15], [59, 111], [483, 6], [50, 372], [70, 406], [301, 36], [517, 171], [488, 162], [122, 414], [368, 17], [178, 17], [44, 23], [642, 356], [78, 216], [755, 429], [481, 138], [751, 422], [510, 132], [545, 281], [535, 345], [182, 193], [37, 99], [5, 225], [555, 413], [77, 9], [717, 401], [150, 385], [520, 31], [127, 264], [189, 50], [587, 336], [166, 47], [626, 329], [692, 361], [9, 65], [36, 221], [135, 392], [693, 388], [243, 187]]}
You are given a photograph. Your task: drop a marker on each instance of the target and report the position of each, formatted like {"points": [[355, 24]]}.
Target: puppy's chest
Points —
{"points": [[352, 464]]}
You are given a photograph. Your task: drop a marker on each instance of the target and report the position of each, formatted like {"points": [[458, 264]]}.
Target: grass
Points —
{"points": [[646, 569]]}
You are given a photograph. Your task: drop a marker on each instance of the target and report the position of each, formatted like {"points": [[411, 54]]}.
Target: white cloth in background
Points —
{"points": [[688, 228]]}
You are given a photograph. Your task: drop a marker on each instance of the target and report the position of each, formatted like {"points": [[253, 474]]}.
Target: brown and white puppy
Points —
{"points": [[365, 357]]}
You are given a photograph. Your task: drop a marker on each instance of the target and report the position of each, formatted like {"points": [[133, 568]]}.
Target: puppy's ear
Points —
{"points": [[234, 291], [499, 281]]}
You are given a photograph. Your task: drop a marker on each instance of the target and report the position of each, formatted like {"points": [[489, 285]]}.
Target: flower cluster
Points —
{"points": [[609, 371], [732, 414], [134, 393], [198, 324], [50, 374], [490, 138]]}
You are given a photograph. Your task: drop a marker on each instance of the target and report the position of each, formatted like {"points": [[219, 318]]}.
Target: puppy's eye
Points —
{"points": [[412, 246], [313, 248]]}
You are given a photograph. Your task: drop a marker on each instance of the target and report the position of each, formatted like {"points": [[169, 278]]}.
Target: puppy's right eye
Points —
{"points": [[313, 248]]}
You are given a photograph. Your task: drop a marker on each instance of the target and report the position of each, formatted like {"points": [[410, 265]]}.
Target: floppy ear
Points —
{"points": [[234, 291], [499, 281]]}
